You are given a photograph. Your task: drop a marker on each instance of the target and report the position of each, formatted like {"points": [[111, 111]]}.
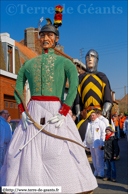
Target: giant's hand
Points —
{"points": [[25, 120], [77, 109], [59, 119], [107, 109]]}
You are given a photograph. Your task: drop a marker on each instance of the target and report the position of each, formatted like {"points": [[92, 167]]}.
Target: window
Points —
{"points": [[9, 62], [6, 104], [16, 106], [11, 104]]}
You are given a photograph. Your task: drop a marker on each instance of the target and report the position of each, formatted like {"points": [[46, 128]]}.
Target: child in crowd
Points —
{"points": [[111, 151]]}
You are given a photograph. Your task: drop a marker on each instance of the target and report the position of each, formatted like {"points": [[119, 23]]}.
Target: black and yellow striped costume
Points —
{"points": [[93, 90]]}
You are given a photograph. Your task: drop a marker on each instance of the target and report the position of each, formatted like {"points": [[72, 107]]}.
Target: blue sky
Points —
{"points": [[99, 25]]}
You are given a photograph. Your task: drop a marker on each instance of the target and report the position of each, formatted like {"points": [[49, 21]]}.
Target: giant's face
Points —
{"points": [[90, 61], [47, 40]]}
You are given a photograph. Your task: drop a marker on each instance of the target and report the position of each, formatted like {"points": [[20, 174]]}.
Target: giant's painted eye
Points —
{"points": [[42, 35]]}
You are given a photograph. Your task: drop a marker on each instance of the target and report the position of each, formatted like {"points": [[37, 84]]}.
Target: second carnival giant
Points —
{"points": [[48, 161], [94, 92]]}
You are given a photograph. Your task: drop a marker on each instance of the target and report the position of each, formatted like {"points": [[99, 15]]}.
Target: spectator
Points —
{"points": [[116, 122], [72, 115], [105, 120], [8, 120], [111, 151], [5, 135], [70, 112], [95, 136], [121, 123], [113, 126], [102, 118], [125, 127]]}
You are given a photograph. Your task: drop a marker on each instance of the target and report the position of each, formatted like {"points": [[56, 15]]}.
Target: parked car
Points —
{"points": [[14, 124]]}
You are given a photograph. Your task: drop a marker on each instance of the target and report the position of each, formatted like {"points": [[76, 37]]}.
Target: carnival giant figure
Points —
{"points": [[48, 161], [94, 92]]}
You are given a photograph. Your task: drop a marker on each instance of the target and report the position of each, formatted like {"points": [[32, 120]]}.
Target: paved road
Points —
{"points": [[121, 186]]}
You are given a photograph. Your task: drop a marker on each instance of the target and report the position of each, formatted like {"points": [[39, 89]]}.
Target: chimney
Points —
{"points": [[59, 47], [29, 39]]}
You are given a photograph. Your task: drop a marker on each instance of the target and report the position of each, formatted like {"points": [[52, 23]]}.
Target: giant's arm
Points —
{"points": [[21, 79], [71, 74], [77, 105], [107, 101], [107, 110], [107, 98]]}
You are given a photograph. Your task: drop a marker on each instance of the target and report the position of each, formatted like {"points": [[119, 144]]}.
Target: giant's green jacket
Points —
{"points": [[47, 75]]}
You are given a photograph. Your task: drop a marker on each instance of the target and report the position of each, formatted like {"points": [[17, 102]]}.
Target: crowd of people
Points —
{"points": [[119, 121], [99, 136]]}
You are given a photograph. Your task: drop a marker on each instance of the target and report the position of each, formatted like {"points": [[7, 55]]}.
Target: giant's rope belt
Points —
{"points": [[43, 130]]}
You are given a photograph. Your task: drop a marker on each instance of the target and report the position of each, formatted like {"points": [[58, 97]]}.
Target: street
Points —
{"points": [[121, 184]]}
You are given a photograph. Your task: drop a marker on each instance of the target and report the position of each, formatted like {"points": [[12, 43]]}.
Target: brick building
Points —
{"points": [[9, 67], [115, 103], [11, 58], [123, 104]]}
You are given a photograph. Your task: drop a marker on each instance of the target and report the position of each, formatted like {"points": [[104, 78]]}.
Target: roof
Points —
{"points": [[124, 99], [63, 54], [26, 51], [22, 60], [115, 101]]}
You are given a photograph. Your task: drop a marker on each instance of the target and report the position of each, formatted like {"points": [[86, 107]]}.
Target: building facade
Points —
{"points": [[9, 66], [12, 56]]}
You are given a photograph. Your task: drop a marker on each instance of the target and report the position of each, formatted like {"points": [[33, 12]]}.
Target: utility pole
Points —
{"points": [[81, 56]]}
